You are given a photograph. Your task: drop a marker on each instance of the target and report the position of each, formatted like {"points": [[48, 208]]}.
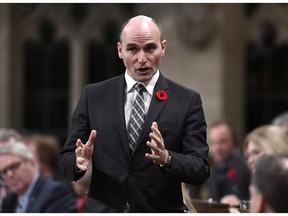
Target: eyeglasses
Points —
{"points": [[13, 167]]}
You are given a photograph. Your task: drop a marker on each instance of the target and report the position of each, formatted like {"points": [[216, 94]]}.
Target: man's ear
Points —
{"points": [[119, 48], [163, 46]]}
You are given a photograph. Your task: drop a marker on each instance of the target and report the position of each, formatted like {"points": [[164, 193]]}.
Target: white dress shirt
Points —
{"points": [[130, 94]]}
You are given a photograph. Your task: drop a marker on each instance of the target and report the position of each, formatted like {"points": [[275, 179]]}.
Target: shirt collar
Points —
{"points": [[25, 197], [149, 85]]}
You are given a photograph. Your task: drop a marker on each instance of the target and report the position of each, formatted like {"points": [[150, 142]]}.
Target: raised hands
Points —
{"points": [[159, 154], [84, 151]]}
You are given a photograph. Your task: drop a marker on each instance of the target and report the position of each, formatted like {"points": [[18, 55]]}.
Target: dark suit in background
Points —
{"points": [[230, 177], [47, 196], [117, 176]]}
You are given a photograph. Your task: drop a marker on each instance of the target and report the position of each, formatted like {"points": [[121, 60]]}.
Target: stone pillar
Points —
{"points": [[4, 64], [233, 48], [78, 72]]}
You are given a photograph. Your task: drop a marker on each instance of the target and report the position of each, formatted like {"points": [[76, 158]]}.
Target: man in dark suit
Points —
{"points": [[171, 148], [31, 192], [230, 176]]}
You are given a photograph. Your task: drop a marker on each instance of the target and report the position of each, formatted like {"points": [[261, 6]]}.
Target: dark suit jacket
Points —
{"points": [[231, 177], [47, 196], [117, 176]]}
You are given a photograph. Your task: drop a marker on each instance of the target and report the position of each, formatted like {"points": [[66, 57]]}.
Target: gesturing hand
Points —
{"points": [[84, 151], [159, 153]]}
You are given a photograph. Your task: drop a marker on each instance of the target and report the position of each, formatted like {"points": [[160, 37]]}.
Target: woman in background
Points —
{"points": [[265, 140]]}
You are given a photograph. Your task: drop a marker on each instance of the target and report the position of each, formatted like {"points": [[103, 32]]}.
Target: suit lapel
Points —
{"points": [[33, 195], [117, 97], [155, 108]]}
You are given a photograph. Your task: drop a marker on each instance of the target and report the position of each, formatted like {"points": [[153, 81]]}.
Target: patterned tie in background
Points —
{"points": [[137, 116], [20, 206]]}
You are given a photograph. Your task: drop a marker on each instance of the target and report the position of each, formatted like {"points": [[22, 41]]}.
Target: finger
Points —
{"points": [[151, 144], [154, 158], [156, 130], [79, 143], [148, 144], [78, 151], [92, 138], [82, 167], [154, 148], [150, 156], [80, 163], [154, 124], [157, 140]]}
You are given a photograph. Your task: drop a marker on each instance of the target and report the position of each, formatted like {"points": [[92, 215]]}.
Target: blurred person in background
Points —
{"points": [[81, 188], [29, 191], [269, 185], [264, 140], [46, 149], [281, 121], [6, 135], [230, 176]]}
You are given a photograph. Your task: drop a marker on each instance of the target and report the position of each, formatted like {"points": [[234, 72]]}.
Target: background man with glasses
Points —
{"points": [[6, 135], [30, 191]]}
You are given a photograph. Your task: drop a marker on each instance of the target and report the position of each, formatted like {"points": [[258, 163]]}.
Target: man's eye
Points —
{"points": [[132, 49], [150, 48]]}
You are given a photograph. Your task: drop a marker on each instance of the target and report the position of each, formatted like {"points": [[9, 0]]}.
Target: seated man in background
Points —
{"points": [[6, 135], [269, 185], [30, 191], [46, 149], [230, 176]]}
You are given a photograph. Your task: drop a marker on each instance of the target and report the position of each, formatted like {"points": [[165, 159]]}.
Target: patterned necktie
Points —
{"points": [[137, 116], [20, 207]]}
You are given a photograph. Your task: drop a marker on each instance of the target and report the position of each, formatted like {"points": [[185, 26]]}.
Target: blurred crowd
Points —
{"points": [[251, 175], [242, 172], [29, 179]]}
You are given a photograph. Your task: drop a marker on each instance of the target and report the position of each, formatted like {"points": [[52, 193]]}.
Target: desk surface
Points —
{"points": [[203, 206]]}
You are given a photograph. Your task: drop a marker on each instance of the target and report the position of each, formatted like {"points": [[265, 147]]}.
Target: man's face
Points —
{"points": [[221, 143], [141, 48], [16, 172]]}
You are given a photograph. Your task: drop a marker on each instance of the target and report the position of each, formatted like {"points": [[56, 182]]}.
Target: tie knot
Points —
{"points": [[139, 87]]}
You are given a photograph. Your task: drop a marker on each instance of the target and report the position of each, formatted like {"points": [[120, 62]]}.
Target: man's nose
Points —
{"points": [[142, 57], [9, 173]]}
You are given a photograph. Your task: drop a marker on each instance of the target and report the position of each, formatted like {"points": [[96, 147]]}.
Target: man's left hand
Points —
{"points": [[159, 155]]}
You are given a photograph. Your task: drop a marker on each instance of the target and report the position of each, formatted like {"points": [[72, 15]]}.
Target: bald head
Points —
{"points": [[141, 22]]}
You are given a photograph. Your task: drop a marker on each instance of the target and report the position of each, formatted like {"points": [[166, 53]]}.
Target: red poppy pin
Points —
{"points": [[161, 95], [231, 173]]}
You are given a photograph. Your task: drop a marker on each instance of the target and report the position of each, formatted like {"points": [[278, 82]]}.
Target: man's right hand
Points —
{"points": [[84, 151]]}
